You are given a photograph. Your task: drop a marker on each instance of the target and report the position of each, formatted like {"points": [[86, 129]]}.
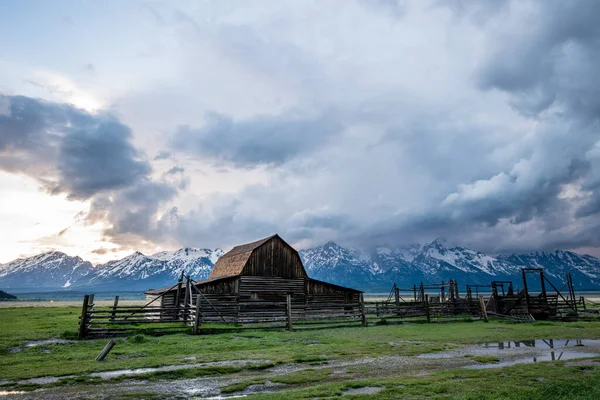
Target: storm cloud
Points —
{"points": [[270, 140], [66, 149], [363, 122]]}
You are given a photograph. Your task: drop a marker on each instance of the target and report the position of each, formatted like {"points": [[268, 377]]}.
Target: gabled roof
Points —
{"points": [[232, 263]]}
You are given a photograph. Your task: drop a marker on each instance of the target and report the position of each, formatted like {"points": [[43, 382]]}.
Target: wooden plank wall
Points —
{"points": [[275, 258]]}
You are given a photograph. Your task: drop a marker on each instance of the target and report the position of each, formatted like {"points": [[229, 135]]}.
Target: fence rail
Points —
{"points": [[118, 320]]}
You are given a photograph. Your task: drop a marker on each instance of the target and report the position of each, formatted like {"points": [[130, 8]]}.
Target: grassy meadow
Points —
{"points": [[313, 350]]}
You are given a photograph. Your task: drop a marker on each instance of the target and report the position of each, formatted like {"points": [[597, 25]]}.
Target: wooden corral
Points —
{"points": [[264, 283], [432, 301], [547, 304], [252, 283]]}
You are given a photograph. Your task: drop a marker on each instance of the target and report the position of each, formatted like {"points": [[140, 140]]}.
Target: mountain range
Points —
{"points": [[370, 271]]}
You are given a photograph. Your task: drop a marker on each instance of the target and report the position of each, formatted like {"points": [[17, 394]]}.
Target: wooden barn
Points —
{"points": [[252, 282]]}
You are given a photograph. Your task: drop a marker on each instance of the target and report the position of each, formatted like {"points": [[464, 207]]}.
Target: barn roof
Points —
{"points": [[232, 263]]}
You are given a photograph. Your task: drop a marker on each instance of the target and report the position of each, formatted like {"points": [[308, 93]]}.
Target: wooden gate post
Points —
{"points": [[397, 298], [197, 316], [288, 299], [483, 309], [186, 299], [83, 319], [116, 303], [178, 295], [362, 310], [427, 308]]}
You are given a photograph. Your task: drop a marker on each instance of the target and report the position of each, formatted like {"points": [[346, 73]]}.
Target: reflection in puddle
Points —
{"points": [[544, 343], [553, 350], [525, 351]]}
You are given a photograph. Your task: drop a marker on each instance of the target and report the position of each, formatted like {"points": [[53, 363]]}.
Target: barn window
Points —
{"points": [[253, 295]]}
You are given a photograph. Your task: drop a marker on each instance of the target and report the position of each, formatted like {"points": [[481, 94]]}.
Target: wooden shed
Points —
{"points": [[252, 281]]}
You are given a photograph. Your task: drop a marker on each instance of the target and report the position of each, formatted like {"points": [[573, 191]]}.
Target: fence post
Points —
{"points": [[197, 316], [186, 299], [362, 310], [112, 317], [483, 309], [397, 298], [83, 319], [178, 295], [427, 308], [289, 311], [111, 343]]}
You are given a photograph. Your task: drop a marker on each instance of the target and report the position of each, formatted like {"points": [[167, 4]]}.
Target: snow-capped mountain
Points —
{"points": [[435, 262], [370, 271], [134, 272], [47, 270], [333, 263]]}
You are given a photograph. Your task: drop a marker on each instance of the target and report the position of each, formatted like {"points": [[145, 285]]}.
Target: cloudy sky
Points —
{"points": [[152, 125]]}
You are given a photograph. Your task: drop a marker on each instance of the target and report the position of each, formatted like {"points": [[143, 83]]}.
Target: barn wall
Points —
{"points": [[322, 293], [275, 258], [223, 286]]}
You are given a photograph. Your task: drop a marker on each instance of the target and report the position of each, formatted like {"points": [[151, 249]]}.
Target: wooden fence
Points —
{"points": [[206, 315]]}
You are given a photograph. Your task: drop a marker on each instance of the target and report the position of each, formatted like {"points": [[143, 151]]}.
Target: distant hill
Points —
{"points": [[370, 271], [6, 296]]}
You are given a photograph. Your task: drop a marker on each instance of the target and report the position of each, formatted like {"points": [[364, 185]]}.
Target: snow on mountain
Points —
{"points": [[436, 262], [136, 271], [47, 270], [376, 270], [332, 263], [195, 262]]}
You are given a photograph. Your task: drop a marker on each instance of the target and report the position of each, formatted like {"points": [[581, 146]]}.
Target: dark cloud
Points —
{"points": [[68, 150], [553, 61], [132, 212], [261, 140], [549, 196]]}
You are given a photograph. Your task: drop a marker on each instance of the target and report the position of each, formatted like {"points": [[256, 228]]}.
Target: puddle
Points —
{"points": [[8, 393], [524, 352], [36, 343], [364, 390], [44, 380], [552, 356], [140, 371]]}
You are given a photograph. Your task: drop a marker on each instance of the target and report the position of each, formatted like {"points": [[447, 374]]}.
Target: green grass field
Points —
{"points": [[308, 348]]}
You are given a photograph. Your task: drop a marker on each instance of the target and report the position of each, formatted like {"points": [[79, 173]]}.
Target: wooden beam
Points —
{"points": [[483, 309], [197, 315], [363, 316], [116, 303], [289, 311], [178, 295], [111, 343], [83, 319]]}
